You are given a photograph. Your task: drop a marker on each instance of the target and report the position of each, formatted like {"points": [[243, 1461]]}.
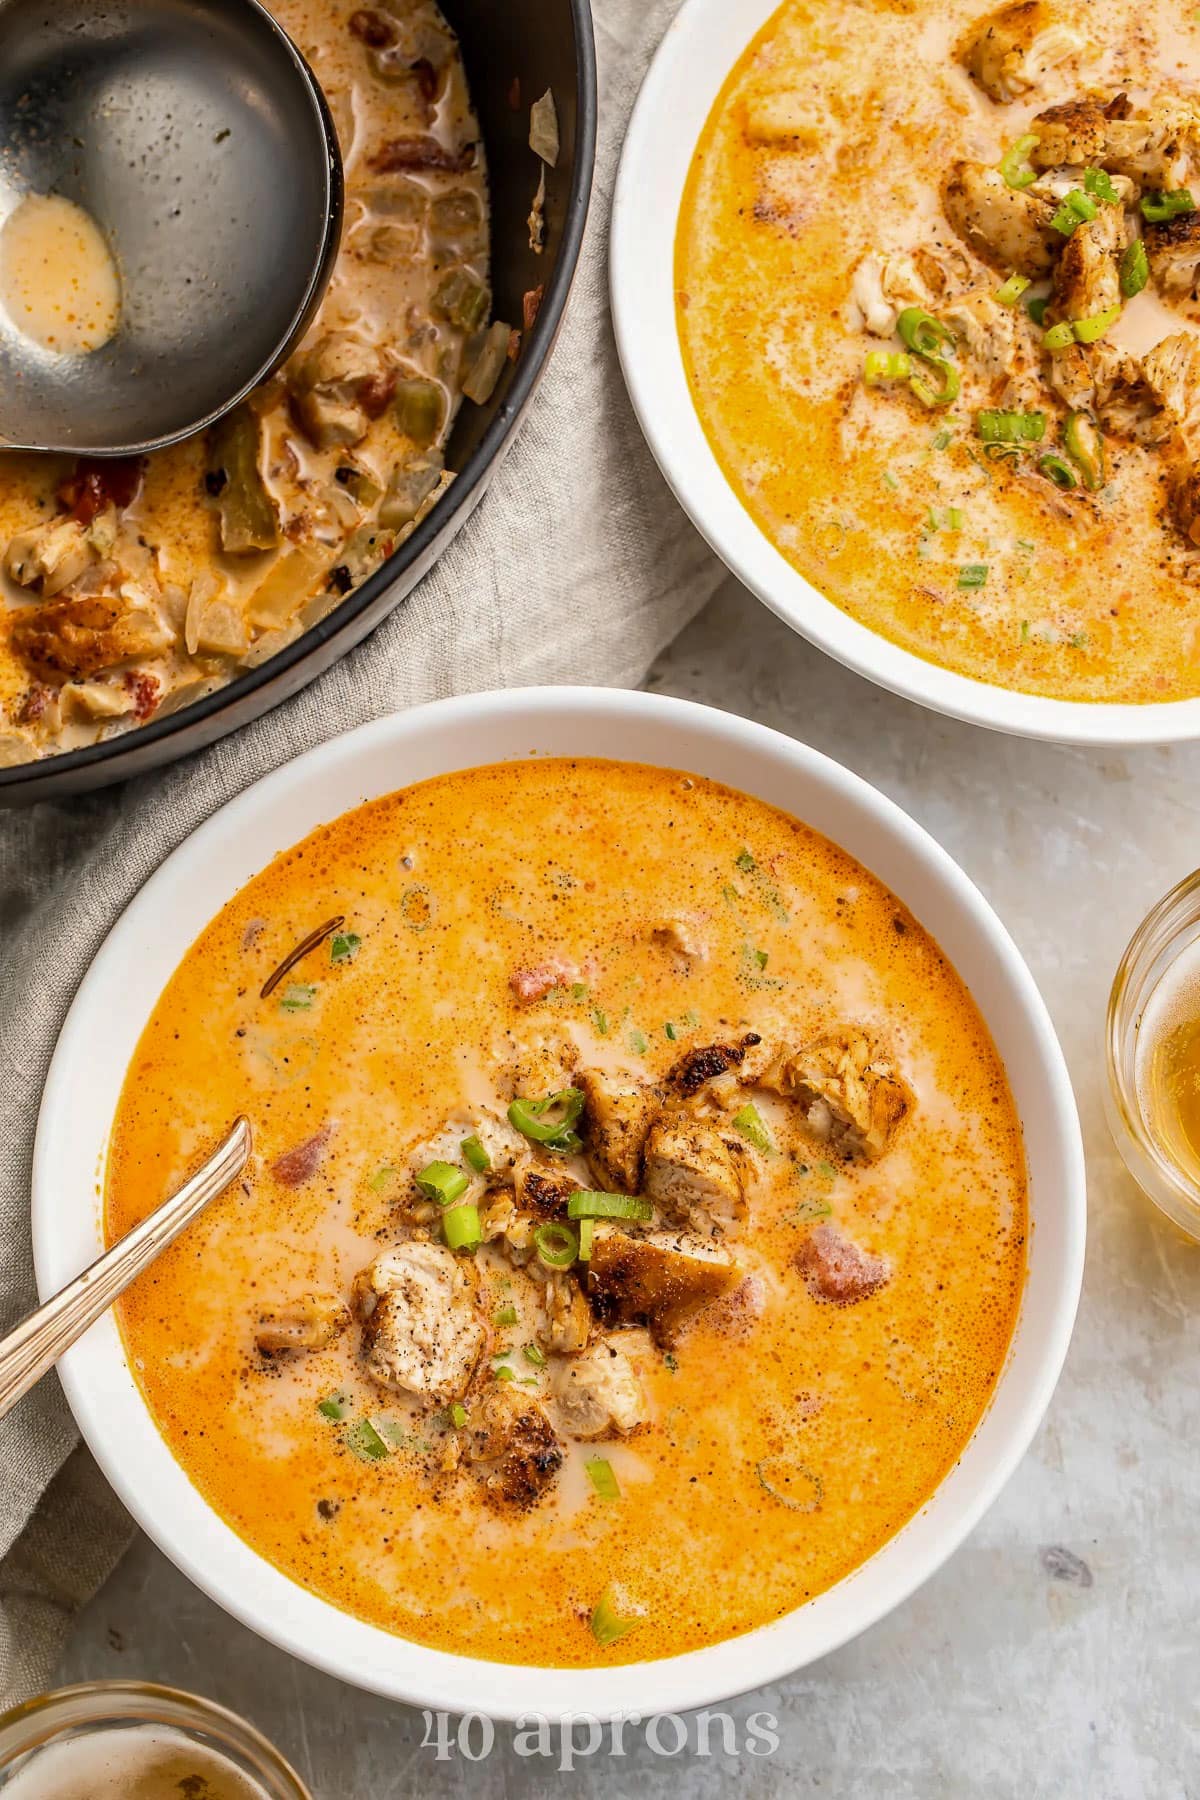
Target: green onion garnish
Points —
{"points": [[298, 996], [1089, 331], [589, 1203], [1010, 427], [1010, 291], [1014, 164], [1059, 336], [344, 946], [335, 1407], [549, 1121], [505, 1373], [607, 1628], [600, 1021], [462, 1228], [1075, 210], [1085, 447], [745, 862], [886, 365], [602, 1478], [1036, 308], [637, 1042], [365, 1442], [556, 1244], [670, 1030], [381, 1178], [973, 575], [533, 1354], [947, 393], [506, 1316], [586, 1229], [1159, 206], [749, 1121], [1098, 182], [474, 1155], [458, 1415], [1135, 269], [924, 334], [442, 1182], [1056, 470]]}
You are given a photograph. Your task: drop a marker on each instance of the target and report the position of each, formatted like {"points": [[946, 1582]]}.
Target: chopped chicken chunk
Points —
{"points": [[310, 1322], [1009, 228], [883, 285], [986, 329], [1172, 372], [530, 984], [618, 1110], [49, 557], [1154, 144], [67, 640], [1072, 134], [338, 387], [1087, 280], [544, 1194], [513, 1447], [692, 1176], [1070, 373], [836, 1269], [683, 935], [422, 1333], [1126, 402], [599, 1394], [708, 1062], [499, 1219], [1173, 251], [660, 1279], [852, 1098], [1010, 50], [566, 1316], [1184, 499]]}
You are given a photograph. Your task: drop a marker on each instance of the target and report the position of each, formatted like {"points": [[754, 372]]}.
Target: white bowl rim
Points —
{"points": [[68, 1159], [682, 82]]}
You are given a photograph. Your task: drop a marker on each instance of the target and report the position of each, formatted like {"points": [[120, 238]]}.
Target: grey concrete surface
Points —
{"points": [[1018, 1671]]}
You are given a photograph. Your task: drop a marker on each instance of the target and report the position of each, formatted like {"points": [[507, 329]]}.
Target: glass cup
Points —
{"points": [[1169, 933], [35, 1737]]}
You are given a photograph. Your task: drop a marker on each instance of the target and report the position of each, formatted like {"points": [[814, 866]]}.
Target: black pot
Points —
{"points": [[514, 50]]}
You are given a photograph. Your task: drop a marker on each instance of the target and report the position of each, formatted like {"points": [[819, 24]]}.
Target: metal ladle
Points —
{"points": [[35, 1345], [195, 136]]}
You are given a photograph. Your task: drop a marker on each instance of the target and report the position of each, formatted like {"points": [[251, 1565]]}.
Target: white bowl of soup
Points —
{"points": [[666, 1217], [992, 514]]}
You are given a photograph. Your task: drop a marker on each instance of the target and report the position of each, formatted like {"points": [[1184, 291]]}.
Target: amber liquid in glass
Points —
{"points": [[137, 1762], [1168, 1063]]}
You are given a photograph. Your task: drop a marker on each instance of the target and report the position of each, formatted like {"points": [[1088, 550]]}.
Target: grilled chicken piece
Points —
{"points": [[514, 1448], [71, 640], [708, 1062], [545, 1194], [618, 1110], [692, 1176], [1069, 372], [1172, 373], [986, 329], [883, 285], [1087, 280], [1073, 134], [660, 1279], [499, 1219], [1010, 50], [566, 1316], [1009, 228], [50, 556], [421, 1331], [1173, 252], [338, 387], [852, 1098], [1126, 402], [1154, 145], [836, 1269], [1184, 501], [599, 1394], [310, 1322]]}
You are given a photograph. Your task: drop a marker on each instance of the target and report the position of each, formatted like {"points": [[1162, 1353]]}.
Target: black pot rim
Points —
{"points": [[463, 495]]}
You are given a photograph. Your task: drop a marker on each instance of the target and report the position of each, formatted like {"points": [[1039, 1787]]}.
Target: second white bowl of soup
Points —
{"points": [[905, 303], [665, 1223]]}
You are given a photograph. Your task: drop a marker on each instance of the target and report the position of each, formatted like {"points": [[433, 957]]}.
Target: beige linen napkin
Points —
{"points": [[576, 567]]}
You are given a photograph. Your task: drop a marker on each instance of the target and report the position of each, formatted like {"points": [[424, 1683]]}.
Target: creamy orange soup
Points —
{"points": [[850, 170], [845, 1261]]}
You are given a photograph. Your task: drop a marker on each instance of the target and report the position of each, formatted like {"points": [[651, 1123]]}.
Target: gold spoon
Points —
{"points": [[36, 1344]]}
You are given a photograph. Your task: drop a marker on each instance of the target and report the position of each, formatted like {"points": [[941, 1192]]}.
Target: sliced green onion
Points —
{"points": [[942, 439], [749, 1121], [1059, 336], [791, 1482], [973, 575], [1010, 427], [1159, 206], [506, 1316], [549, 1121], [1089, 331], [443, 1182], [381, 1178], [534, 1355], [458, 1415], [298, 996], [334, 1406], [556, 1245], [744, 860], [956, 518], [589, 1203], [344, 946], [1014, 164], [947, 393], [462, 1228], [1056, 470], [606, 1626], [638, 1042], [1036, 308], [1075, 210], [1135, 269], [474, 1155], [923, 333], [1085, 447], [600, 1021], [1007, 453], [504, 1373], [886, 365], [1098, 183], [1010, 291], [365, 1442], [600, 1474], [586, 1229], [670, 1030]]}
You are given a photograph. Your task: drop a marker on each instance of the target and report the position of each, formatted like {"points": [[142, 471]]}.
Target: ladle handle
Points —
{"points": [[36, 1344]]}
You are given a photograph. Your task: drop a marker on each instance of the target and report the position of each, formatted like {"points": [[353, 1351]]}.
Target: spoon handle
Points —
{"points": [[36, 1344]]}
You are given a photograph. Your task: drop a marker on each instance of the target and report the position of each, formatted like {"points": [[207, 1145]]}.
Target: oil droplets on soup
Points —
{"points": [[636, 1225]]}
